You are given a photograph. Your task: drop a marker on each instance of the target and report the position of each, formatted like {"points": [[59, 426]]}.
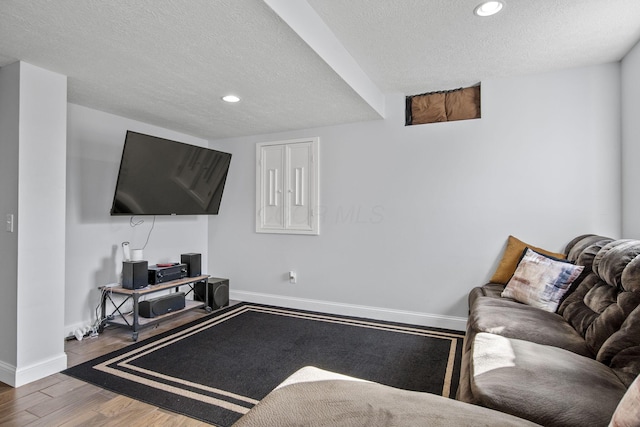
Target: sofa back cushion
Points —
{"points": [[621, 351], [582, 251], [605, 298], [575, 247]]}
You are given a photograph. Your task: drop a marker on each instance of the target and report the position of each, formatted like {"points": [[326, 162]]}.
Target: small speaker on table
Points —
{"points": [[194, 264], [162, 305], [135, 274]]}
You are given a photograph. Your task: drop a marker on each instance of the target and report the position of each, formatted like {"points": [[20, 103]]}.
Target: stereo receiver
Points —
{"points": [[162, 273]]}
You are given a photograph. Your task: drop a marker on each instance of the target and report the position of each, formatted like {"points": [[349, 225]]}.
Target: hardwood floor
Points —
{"points": [[60, 400]]}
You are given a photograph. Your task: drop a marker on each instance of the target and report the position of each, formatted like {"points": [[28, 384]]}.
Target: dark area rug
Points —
{"points": [[217, 368]]}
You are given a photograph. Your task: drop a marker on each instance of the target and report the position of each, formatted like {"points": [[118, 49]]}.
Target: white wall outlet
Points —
{"points": [[293, 277]]}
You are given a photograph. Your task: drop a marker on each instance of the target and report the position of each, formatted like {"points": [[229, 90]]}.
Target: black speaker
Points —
{"points": [[134, 274], [161, 305], [218, 292], [193, 262]]}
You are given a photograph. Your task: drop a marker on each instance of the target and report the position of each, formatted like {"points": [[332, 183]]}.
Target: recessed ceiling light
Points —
{"points": [[488, 8], [230, 98]]}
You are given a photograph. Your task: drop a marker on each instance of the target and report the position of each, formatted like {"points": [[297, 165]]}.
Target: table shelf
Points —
{"points": [[133, 320]]}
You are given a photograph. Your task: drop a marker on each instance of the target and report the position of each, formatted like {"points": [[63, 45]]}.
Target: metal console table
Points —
{"points": [[132, 320]]}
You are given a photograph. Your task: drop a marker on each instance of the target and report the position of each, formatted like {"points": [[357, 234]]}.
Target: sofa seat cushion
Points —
{"points": [[314, 397], [516, 320], [544, 384]]}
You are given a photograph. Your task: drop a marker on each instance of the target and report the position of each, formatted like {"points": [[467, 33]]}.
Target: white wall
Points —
{"points": [[9, 150], [631, 143], [33, 111], [93, 239], [414, 217], [41, 223]]}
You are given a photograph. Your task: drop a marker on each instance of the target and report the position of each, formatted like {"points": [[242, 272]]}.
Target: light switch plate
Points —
{"points": [[9, 223]]}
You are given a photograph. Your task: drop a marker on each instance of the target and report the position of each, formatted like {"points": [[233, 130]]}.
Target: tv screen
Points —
{"points": [[162, 177]]}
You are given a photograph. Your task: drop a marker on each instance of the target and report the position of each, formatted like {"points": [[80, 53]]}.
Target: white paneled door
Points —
{"points": [[287, 187]]}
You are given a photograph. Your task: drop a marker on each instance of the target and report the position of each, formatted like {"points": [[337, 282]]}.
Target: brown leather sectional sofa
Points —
{"points": [[570, 367]]}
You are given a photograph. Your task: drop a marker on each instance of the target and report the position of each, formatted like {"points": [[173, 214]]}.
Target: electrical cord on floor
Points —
{"points": [[95, 327], [92, 331]]}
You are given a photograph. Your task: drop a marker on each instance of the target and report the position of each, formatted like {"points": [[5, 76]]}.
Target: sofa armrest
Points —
{"points": [[313, 397]]}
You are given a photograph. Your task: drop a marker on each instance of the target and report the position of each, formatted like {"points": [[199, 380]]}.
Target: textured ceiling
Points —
{"points": [[414, 46], [168, 62]]}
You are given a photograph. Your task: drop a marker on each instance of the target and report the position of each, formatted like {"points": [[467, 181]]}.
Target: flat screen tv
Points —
{"points": [[162, 177]]}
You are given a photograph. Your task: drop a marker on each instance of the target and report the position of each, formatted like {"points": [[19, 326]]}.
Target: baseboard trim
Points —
{"points": [[378, 313], [16, 377], [7, 373]]}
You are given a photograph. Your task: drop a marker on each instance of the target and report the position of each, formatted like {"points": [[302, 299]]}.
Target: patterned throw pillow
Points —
{"points": [[541, 281]]}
